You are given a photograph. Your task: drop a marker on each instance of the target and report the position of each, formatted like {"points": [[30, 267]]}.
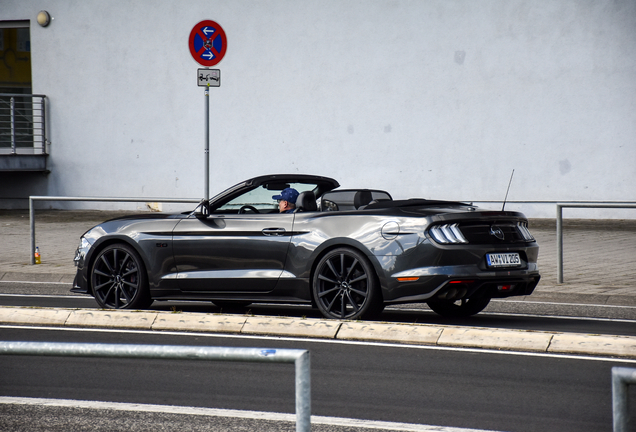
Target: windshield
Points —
{"points": [[261, 199]]}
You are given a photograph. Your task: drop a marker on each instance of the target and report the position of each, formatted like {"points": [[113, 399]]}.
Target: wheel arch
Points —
{"points": [[344, 243], [100, 245]]}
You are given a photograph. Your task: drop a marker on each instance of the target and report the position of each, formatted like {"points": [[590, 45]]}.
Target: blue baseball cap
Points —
{"points": [[289, 195]]}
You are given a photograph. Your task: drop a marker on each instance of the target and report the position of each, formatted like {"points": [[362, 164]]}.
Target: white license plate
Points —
{"points": [[503, 259]]}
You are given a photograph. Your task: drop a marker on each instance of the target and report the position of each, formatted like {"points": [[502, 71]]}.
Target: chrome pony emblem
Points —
{"points": [[497, 232]]}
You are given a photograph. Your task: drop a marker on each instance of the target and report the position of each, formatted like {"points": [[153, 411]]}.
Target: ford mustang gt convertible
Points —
{"points": [[348, 252]]}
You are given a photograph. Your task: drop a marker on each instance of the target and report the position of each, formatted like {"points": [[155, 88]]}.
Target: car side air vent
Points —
{"points": [[447, 234]]}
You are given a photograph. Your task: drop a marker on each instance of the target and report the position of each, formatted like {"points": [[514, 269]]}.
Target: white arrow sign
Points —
{"points": [[208, 29]]}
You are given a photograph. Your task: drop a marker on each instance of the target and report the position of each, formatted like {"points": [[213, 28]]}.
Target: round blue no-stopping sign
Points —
{"points": [[207, 43]]}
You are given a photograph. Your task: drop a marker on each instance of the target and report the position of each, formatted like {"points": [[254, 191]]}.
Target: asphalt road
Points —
{"points": [[372, 382], [393, 383]]}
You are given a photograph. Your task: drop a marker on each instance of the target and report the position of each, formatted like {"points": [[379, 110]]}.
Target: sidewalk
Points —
{"points": [[599, 255]]}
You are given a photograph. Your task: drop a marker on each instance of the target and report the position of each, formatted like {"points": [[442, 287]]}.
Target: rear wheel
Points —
{"points": [[344, 285], [459, 308], [118, 279]]}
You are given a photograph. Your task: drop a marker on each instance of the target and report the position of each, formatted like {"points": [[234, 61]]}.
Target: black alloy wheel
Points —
{"points": [[118, 279], [460, 308], [344, 285]]}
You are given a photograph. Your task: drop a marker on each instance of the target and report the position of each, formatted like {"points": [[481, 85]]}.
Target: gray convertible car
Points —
{"points": [[349, 252]]}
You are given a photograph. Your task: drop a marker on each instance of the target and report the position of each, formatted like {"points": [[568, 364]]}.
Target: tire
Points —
{"points": [[119, 280], [344, 285], [460, 308]]}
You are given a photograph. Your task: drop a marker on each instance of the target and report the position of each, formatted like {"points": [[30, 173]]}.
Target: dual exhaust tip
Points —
{"points": [[458, 289]]}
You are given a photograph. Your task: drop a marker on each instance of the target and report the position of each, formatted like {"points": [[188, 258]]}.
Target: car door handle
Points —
{"points": [[274, 231]]}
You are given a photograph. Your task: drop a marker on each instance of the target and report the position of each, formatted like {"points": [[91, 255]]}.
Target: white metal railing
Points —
{"points": [[300, 358], [559, 218], [559, 215], [23, 122], [95, 199], [621, 378]]}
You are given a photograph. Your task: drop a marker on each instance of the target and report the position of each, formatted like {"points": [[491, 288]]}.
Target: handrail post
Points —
{"points": [[43, 114], [32, 229], [32, 199], [300, 358], [13, 125], [621, 377], [303, 393], [559, 217], [559, 233]]}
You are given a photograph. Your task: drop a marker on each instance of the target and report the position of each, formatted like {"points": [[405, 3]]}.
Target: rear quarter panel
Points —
{"points": [[394, 243]]}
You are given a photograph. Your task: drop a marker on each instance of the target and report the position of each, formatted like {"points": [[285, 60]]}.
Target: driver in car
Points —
{"points": [[287, 200]]}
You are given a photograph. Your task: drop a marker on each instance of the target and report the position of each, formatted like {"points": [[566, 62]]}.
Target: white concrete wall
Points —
{"points": [[434, 99]]}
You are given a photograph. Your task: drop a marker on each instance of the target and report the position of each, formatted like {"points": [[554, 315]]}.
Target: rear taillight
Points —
{"points": [[524, 231], [447, 234]]}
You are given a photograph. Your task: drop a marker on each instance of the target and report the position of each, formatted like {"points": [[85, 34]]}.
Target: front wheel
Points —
{"points": [[460, 308], [118, 279], [344, 285]]}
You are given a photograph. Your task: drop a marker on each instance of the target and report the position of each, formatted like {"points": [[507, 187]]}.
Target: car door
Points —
{"points": [[231, 253]]}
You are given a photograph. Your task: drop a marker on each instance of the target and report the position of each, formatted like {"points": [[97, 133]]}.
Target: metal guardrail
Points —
{"points": [[300, 358], [621, 378], [23, 122], [559, 218], [97, 199]]}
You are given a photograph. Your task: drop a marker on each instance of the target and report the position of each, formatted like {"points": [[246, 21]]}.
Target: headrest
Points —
{"points": [[306, 201], [362, 198]]}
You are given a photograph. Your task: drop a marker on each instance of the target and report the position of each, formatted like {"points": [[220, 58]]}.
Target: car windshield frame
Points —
{"points": [[274, 184], [261, 198]]}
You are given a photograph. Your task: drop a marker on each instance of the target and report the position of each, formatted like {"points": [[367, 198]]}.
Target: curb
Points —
{"points": [[423, 334]]}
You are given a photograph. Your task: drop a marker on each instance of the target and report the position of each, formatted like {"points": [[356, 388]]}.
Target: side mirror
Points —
{"points": [[205, 210]]}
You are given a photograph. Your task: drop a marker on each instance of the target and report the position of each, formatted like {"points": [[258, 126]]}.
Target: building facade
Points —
{"points": [[437, 99]]}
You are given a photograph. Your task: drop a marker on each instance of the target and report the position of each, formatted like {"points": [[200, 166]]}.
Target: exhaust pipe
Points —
{"points": [[456, 292]]}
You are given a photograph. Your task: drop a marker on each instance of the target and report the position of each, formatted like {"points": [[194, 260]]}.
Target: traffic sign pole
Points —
{"points": [[207, 44], [207, 143]]}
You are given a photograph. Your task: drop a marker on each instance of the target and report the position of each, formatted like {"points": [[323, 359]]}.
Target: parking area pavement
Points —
{"points": [[599, 261], [599, 255]]}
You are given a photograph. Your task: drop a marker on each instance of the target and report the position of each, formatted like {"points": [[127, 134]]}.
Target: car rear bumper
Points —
{"points": [[457, 282]]}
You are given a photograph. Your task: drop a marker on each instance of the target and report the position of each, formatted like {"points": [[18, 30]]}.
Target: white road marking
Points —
{"points": [[558, 317], [614, 360], [214, 412], [562, 304], [36, 283], [76, 296]]}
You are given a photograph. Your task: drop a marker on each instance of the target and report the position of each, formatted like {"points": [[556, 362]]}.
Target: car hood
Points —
{"points": [[149, 216]]}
